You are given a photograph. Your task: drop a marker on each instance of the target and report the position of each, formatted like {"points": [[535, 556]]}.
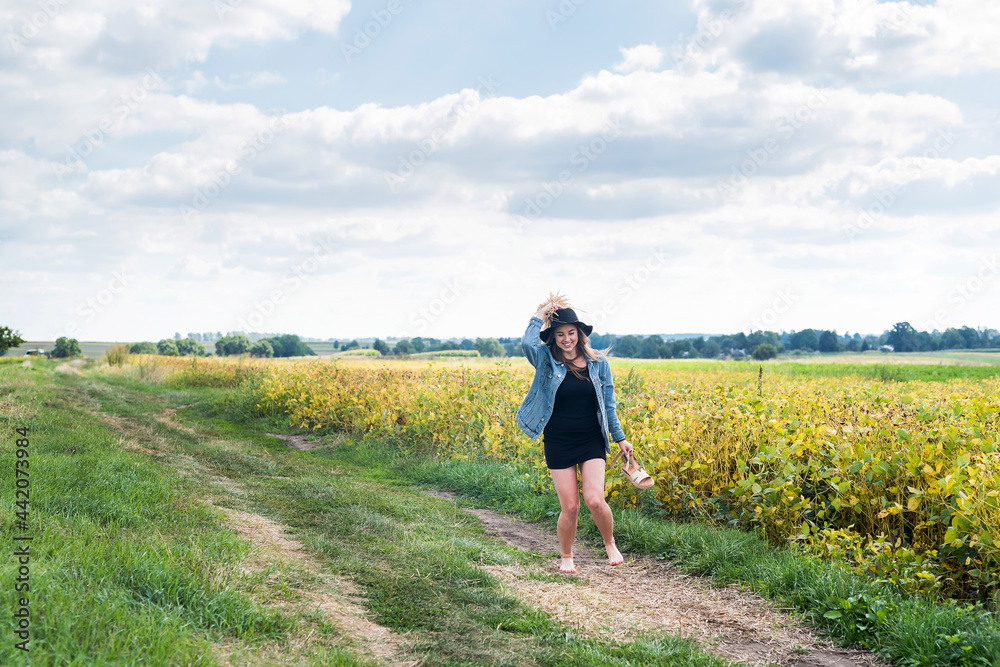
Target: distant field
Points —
{"points": [[973, 357], [842, 364], [885, 368], [89, 349], [96, 349]]}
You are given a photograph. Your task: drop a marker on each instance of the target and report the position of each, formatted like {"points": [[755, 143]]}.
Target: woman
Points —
{"points": [[572, 402]]}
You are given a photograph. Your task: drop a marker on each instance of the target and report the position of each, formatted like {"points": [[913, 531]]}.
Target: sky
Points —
{"points": [[395, 168]]}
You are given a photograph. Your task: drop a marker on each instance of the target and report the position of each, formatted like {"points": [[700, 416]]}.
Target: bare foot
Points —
{"points": [[614, 556], [567, 566]]}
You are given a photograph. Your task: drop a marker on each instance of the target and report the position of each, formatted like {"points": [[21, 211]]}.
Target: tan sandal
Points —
{"points": [[632, 468]]}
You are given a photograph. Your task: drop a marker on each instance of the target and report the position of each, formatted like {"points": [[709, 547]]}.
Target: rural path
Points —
{"points": [[611, 603], [644, 595], [277, 554], [71, 366]]}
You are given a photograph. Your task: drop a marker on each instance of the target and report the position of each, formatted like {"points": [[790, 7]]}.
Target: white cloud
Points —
{"points": [[793, 98], [163, 31], [882, 41], [644, 56]]}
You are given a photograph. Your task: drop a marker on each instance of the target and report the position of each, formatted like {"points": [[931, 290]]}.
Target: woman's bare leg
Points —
{"points": [[592, 474], [569, 506]]}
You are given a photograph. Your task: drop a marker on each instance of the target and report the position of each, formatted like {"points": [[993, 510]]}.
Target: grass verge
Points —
{"points": [[908, 630], [131, 566]]}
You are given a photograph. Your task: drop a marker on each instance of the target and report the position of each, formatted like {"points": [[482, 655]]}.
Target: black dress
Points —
{"points": [[573, 433]]}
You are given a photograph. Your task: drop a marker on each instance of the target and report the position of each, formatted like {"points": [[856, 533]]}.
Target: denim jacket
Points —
{"points": [[536, 408]]}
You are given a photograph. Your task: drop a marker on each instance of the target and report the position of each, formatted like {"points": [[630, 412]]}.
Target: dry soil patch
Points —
{"points": [[336, 601], [72, 367], [645, 595]]}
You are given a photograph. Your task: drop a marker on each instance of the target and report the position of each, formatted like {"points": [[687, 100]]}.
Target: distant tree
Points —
{"points": [[189, 347], [760, 337], [144, 347], [381, 346], [652, 347], [597, 341], [167, 348], [765, 351], [903, 337], [725, 342], [290, 345], [262, 348], [489, 347], [804, 340], [8, 339], [350, 346], [513, 348], [829, 342], [466, 344], [952, 339], [232, 344], [177, 336], [680, 349], [418, 344], [710, 350], [66, 347], [971, 337], [854, 345], [928, 342], [404, 347], [449, 345], [627, 346]]}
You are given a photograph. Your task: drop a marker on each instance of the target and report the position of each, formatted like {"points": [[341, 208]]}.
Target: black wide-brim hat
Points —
{"points": [[564, 316]]}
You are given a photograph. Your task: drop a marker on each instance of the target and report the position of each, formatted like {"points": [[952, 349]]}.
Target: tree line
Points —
{"points": [[283, 345], [902, 337], [758, 344]]}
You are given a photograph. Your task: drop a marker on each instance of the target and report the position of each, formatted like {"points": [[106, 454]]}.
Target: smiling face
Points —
{"points": [[565, 337]]}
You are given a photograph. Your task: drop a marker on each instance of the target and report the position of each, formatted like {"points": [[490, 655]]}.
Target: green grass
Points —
{"points": [[908, 630], [130, 568], [124, 545], [126, 568]]}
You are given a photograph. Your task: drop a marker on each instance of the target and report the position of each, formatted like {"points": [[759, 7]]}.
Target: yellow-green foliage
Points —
{"points": [[899, 480], [117, 354]]}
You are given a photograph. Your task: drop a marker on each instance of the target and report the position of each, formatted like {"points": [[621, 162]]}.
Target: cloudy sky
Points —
{"points": [[400, 168]]}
